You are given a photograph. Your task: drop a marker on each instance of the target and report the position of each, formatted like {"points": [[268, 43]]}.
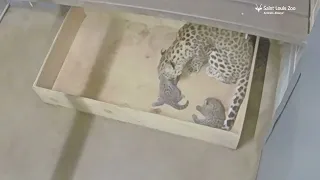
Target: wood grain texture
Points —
{"points": [[119, 96], [124, 56]]}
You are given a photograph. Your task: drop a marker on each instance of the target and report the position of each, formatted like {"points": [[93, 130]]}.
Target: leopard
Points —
{"points": [[170, 94], [225, 54], [213, 112]]}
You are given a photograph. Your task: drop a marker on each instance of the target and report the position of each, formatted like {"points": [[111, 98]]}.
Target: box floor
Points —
{"points": [[121, 67], [40, 141]]}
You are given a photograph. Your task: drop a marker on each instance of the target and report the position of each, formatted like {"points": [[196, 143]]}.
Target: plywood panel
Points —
{"points": [[121, 66], [106, 81]]}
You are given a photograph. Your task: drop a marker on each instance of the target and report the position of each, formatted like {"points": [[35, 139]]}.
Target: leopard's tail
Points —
{"points": [[237, 99]]}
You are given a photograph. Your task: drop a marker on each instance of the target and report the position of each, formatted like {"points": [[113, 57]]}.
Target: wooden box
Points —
{"points": [[105, 64]]}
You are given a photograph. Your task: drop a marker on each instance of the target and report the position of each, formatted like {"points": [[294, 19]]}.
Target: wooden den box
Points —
{"points": [[105, 64]]}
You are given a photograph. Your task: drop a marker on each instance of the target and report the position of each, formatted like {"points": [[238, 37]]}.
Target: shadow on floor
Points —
{"points": [[254, 102], [82, 122]]}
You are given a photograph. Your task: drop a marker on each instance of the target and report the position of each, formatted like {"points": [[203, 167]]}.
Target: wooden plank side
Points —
{"points": [[268, 100], [153, 121], [74, 3], [223, 14], [60, 47]]}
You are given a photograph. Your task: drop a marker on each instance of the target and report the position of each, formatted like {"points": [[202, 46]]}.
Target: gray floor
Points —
{"points": [[44, 142]]}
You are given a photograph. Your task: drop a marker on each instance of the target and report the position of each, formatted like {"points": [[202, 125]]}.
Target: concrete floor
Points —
{"points": [[43, 142]]}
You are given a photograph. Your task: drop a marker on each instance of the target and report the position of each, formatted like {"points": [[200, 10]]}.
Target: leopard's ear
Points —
{"points": [[206, 102], [163, 51]]}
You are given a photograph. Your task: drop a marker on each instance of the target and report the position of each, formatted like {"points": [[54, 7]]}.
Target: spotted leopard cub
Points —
{"points": [[228, 54], [213, 112], [231, 64], [187, 54], [170, 94]]}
